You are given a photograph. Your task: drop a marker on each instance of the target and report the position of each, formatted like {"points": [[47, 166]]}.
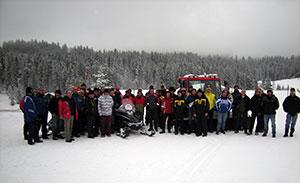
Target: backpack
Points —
{"points": [[21, 104]]}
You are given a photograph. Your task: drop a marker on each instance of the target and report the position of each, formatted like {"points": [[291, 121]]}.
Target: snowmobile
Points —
{"points": [[127, 121]]}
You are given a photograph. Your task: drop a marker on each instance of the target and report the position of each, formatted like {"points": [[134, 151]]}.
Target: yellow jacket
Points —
{"points": [[211, 99]]}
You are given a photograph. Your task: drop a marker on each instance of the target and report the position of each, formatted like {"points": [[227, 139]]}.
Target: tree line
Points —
{"points": [[51, 65]]}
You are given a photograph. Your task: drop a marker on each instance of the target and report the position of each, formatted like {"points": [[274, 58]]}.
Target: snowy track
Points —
{"points": [[164, 158]]}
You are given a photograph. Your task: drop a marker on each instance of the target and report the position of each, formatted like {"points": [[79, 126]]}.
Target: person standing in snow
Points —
{"points": [[91, 113], [152, 108], [180, 108], [56, 123], [291, 105], [211, 100], [190, 102], [105, 107], [80, 99], [68, 113], [257, 112], [236, 95], [243, 106], [269, 105], [139, 103], [30, 117], [42, 109], [200, 112], [167, 110], [97, 120], [223, 106]]}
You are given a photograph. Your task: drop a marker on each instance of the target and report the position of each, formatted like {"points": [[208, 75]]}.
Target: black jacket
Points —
{"points": [[180, 105], [236, 97], [244, 104], [256, 104], [152, 103], [91, 107], [270, 104], [201, 106], [53, 105], [291, 105]]}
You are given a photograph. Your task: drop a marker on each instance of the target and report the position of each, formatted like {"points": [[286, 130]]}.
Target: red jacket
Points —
{"points": [[139, 100], [64, 110], [167, 105]]}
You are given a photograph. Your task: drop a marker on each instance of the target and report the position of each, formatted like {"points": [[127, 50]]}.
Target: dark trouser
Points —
{"points": [[97, 125], [56, 125], [153, 119], [236, 120], [78, 125], [201, 125], [82, 122], [140, 115], [25, 131], [290, 121], [243, 118], [33, 133], [160, 119], [259, 124], [190, 125], [212, 124], [106, 125], [42, 122], [90, 125], [180, 125], [178, 121], [147, 118], [167, 118]]}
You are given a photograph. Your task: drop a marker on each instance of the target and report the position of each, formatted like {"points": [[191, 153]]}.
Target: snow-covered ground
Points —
{"points": [[163, 158]]}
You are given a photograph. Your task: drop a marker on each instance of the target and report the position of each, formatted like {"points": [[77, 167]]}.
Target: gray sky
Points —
{"points": [[231, 27]]}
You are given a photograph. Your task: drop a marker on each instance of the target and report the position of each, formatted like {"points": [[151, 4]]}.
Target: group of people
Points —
{"points": [[84, 110]]}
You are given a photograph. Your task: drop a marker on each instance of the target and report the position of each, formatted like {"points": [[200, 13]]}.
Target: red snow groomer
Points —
{"points": [[201, 82]]}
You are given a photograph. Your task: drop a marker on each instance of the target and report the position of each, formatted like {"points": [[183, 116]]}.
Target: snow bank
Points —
{"points": [[166, 158]]}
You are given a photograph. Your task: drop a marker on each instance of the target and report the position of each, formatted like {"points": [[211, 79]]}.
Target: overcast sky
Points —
{"points": [[231, 27]]}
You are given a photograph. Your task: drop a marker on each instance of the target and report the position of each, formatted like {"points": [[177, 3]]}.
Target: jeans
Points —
{"points": [[290, 120], [222, 117], [268, 117]]}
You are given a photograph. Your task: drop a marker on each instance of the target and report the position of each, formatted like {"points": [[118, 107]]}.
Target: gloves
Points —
{"points": [[249, 113]]}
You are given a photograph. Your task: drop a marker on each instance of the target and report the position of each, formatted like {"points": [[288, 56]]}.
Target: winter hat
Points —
{"points": [[106, 90], [57, 92], [171, 88], [200, 91], [29, 90]]}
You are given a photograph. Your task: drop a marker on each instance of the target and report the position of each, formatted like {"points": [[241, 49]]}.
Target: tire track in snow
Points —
{"points": [[186, 174]]}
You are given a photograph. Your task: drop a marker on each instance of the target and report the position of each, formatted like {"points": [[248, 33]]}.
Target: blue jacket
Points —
{"points": [[30, 111], [41, 104], [80, 102], [223, 105]]}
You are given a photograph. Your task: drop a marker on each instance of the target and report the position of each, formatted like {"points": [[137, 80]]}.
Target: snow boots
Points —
{"points": [[292, 132]]}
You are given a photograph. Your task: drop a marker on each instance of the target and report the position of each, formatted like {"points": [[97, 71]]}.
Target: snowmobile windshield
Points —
{"points": [[127, 107]]}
